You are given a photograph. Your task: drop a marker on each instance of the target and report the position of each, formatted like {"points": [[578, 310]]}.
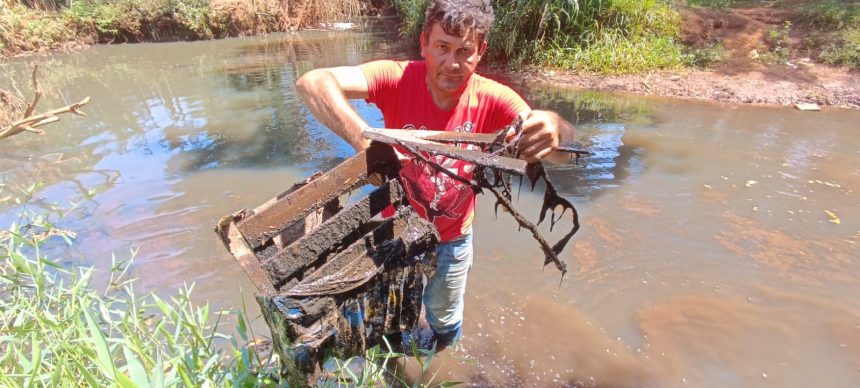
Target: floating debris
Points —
{"points": [[808, 107], [833, 217]]}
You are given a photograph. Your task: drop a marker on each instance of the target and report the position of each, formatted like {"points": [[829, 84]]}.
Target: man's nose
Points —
{"points": [[453, 63]]}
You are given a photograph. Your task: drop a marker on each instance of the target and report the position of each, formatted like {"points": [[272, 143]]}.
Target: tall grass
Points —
{"points": [[57, 329], [608, 36]]}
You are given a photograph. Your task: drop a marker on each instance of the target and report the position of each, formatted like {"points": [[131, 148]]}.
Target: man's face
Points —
{"points": [[450, 59]]}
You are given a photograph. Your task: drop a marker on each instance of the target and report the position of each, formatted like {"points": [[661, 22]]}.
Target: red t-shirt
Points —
{"points": [[400, 90]]}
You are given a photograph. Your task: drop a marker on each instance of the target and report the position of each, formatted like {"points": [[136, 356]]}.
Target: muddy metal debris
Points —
{"points": [[334, 279]]}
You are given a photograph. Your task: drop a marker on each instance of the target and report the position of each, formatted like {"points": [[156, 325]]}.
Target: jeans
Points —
{"points": [[443, 296]]}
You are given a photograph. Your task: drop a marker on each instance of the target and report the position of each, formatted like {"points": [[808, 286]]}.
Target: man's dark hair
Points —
{"points": [[460, 17]]}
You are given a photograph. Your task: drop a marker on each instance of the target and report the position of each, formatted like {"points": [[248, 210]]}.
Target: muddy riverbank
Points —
{"points": [[773, 85]]}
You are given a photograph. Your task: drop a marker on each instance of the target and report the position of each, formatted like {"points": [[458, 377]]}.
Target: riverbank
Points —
{"points": [[772, 85], [784, 52]]}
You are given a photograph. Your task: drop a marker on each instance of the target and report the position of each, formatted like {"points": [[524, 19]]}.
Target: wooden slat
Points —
{"points": [[246, 258], [270, 220]]}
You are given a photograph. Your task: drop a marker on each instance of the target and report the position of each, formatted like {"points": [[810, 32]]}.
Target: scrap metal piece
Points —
{"points": [[480, 139], [372, 288], [499, 157], [402, 236], [403, 137], [334, 280], [306, 253]]}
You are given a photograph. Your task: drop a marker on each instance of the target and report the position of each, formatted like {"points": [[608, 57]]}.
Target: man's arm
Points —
{"points": [[543, 131], [327, 91]]}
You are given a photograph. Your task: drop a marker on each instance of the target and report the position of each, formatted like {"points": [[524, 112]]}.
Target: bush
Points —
{"points": [[831, 14], [705, 57], [575, 34], [778, 39], [846, 52]]}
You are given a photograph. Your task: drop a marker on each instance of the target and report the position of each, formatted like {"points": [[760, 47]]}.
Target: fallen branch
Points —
{"points": [[30, 121]]}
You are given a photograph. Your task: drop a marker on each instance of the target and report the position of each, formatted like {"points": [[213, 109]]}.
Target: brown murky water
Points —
{"points": [[707, 255]]}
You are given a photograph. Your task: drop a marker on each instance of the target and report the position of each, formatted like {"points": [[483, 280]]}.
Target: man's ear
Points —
{"points": [[423, 42], [482, 49]]}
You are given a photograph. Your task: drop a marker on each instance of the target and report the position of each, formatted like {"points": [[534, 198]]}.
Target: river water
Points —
{"points": [[718, 243]]}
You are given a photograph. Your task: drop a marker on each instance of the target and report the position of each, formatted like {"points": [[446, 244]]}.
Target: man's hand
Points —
{"points": [[542, 132]]}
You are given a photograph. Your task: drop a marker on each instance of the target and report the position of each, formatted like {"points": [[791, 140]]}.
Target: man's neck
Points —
{"points": [[446, 101]]}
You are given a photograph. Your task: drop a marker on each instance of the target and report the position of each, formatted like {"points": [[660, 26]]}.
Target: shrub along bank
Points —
{"points": [[49, 26], [598, 36]]}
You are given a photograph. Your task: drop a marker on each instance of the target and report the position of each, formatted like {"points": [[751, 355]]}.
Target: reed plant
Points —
{"points": [[58, 329]]}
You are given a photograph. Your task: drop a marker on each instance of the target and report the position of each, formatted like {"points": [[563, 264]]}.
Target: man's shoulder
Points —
{"points": [[487, 87], [392, 69]]}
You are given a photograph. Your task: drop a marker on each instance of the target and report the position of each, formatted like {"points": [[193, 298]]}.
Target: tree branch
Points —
{"points": [[30, 121]]}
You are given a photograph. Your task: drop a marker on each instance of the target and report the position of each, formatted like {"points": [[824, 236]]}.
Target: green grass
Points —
{"points": [[838, 42], [614, 36], [715, 4], [846, 52], [26, 29], [616, 54], [57, 329], [831, 14]]}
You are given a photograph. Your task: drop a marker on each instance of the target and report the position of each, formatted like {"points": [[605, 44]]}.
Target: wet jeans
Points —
{"points": [[443, 296]]}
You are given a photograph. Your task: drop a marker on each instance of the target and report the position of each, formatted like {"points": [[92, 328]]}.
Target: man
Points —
{"points": [[440, 93]]}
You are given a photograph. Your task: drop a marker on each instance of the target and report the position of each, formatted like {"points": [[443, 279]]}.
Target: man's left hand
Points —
{"points": [[542, 131]]}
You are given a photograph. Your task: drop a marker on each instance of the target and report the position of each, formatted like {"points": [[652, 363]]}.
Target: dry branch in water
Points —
{"points": [[31, 121]]}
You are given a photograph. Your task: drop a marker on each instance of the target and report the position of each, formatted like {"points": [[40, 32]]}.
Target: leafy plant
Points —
{"points": [[58, 330], [846, 52], [705, 57], [778, 39]]}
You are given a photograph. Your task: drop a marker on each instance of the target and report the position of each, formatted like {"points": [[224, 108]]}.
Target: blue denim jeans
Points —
{"points": [[443, 296]]}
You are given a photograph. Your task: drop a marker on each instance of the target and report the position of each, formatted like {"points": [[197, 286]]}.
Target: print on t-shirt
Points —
{"points": [[435, 192]]}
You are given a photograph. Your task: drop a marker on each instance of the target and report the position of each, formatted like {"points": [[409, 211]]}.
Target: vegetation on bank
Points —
{"points": [[838, 21], [47, 24], [630, 36], [602, 36], [832, 29], [58, 329]]}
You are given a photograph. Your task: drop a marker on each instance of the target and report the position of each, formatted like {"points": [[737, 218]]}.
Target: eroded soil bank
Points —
{"points": [[741, 76], [775, 84]]}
